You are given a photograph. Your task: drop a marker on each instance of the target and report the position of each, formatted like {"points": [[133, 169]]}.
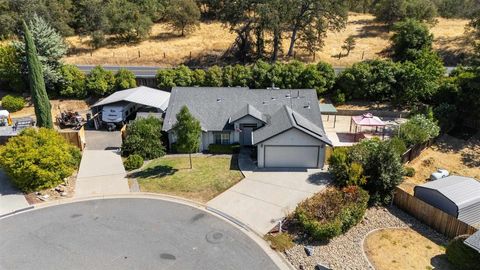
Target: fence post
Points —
{"points": [[164, 55], [138, 53], [363, 54]]}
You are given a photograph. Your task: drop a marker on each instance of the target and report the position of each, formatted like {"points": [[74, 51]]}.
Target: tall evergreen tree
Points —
{"points": [[37, 84], [188, 131]]}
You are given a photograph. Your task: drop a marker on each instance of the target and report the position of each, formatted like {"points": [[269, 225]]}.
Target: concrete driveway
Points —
{"points": [[265, 196], [101, 173], [103, 140], [126, 234], [11, 199]]}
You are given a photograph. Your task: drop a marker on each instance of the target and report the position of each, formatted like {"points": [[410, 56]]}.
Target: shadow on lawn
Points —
{"points": [[153, 172]]}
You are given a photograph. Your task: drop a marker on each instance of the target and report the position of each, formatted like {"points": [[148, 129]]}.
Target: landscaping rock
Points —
{"points": [[309, 250], [63, 194], [346, 251]]}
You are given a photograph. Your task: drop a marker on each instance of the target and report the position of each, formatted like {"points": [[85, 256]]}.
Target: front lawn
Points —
{"points": [[209, 177]]}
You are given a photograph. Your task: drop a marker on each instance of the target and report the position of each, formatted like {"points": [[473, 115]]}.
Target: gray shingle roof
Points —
{"points": [[463, 191], [248, 110], [474, 241], [284, 119], [214, 106], [141, 95]]}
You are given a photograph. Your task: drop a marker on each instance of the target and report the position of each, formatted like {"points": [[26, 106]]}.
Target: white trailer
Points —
{"points": [[118, 113]]}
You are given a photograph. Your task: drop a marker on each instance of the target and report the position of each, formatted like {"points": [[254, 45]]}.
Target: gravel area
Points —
{"points": [[346, 251]]}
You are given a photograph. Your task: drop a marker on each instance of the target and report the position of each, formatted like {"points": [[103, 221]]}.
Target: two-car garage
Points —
{"points": [[280, 156]]}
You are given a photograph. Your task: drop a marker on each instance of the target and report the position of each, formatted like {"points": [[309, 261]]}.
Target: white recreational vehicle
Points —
{"points": [[118, 113]]}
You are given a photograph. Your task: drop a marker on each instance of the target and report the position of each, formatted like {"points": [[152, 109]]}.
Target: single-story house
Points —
{"points": [[142, 95], [455, 195], [284, 124]]}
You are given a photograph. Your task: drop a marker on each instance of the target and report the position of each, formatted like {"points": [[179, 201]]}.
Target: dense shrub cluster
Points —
{"points": [[144, 138], [259, 75], [461, 255], [133, 162], [38, 159], [372, 164], [13, 103], [223, 148], [332, 212], [418, 129]]}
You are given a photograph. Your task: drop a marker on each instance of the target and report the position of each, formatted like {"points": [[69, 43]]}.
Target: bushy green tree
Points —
{"points": [[124, 79], [72, 84], [37, 84], [392, 11], [213, 77], [345, 172], [144, 138], [188, 131], [127, 21], [260, 75], [51, 48], [198, 77], [11, 77], [418, 129], [446, 115], [183, 15], [100, 82], [179, 76], [461, 255], [468, 100], [13, 103], [409, 39], [38, 159]]}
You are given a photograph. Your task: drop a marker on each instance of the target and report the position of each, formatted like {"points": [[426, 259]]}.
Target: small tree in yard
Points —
{"points": [[349, 44], [37, 84], [144, 138], [183, 15], [188, 131], [124, 79]]}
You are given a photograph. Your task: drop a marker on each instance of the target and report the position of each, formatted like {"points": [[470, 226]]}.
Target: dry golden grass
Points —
{"points": [[213, 39], [404, 249], [457, 156]]}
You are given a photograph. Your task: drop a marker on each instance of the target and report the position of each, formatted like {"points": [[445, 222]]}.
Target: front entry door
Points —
{"points": [[246, 134]]}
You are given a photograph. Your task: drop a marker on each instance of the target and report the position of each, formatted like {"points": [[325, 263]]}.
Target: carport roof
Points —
{"points": [[141, 95]]}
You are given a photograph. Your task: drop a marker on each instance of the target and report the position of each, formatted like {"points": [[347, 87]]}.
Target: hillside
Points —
{"points": [[165, 48]]}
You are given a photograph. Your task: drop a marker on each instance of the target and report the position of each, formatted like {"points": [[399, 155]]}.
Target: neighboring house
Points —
{"points": [[284, 124], [455, 195]]}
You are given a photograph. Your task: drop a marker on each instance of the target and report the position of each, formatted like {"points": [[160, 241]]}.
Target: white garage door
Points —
{"points": [[291, 156]]}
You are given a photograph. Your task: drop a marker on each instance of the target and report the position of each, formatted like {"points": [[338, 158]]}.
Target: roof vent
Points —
{"points": [[219, 99], [307, 106], [265, 102], [274, 98], [287, 95]]}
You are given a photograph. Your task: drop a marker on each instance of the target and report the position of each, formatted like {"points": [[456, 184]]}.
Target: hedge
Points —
{"points": [[224, 148], [333, 212], [461, 255], [13, 103]]}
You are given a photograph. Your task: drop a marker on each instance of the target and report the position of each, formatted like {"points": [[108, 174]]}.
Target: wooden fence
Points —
{"points": [[75, 137], [435, 218], [415, 151]]}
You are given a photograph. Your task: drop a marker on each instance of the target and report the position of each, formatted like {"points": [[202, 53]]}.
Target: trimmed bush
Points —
{"points": [[224, 148], [418, 129], [100, 82], [13, 103], [133, 162], [144, 138], [461, 255], [332, 212], [38, 159], [409, 171], [124, 79], [72, 83]]}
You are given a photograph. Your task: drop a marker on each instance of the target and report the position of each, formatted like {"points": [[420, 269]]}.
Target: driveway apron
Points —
{"points": [[266, 196], [11, 199], [101, 173]]}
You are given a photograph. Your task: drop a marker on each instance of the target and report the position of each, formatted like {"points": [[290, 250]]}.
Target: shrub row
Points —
{"points": [[224, 148], [259, 75], [332, 212]]}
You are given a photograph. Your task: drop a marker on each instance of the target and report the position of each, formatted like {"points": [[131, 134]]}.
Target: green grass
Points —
{"points": [[209, 177]]}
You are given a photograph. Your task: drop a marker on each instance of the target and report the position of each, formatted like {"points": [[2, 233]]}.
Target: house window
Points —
{"points": [[221, 138]]}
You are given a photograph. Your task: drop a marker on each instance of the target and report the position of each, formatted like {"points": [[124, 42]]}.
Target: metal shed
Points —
{"points": [[456, 195]]}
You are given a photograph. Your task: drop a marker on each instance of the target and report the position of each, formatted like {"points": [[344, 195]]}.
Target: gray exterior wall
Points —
{"points": [[206, 138], [470, 214], [436, 199], [291, 138]]}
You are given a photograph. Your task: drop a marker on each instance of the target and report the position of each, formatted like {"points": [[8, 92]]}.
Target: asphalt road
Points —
{"points": [[149, 72], [125, 234]]}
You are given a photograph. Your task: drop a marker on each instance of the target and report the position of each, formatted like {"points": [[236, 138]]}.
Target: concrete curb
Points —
{"points": [[17, 211], [362, 244], [279, 260]]}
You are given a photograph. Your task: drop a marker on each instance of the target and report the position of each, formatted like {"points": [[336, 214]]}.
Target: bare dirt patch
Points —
{"points": [[64, 190], [211, 40], [404, 249], [458, 156]]}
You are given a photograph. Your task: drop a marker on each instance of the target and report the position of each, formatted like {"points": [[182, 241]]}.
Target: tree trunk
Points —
{"points": [[276, 45], [292, 42], [190, 156]]}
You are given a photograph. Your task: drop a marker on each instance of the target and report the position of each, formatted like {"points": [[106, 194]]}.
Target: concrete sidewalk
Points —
{"points": [[11, 199], [266, 195], [101, 173]]}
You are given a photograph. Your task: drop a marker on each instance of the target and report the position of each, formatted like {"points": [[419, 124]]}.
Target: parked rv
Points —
{"points": [[118, 113]]}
